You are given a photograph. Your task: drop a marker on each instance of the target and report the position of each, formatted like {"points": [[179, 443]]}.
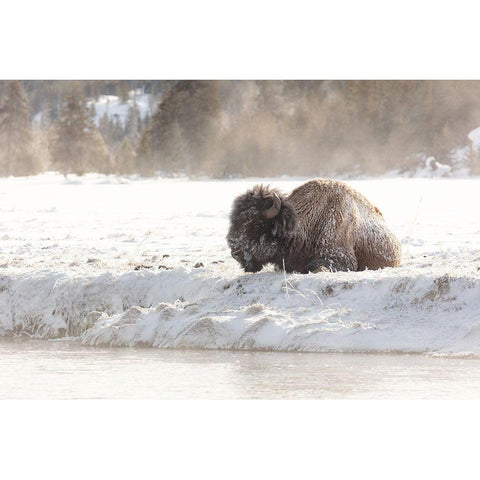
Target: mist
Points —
{"points": [[224, 129]]}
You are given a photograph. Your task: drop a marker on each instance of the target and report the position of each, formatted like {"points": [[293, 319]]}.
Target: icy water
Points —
{"points": [[41, 369]]}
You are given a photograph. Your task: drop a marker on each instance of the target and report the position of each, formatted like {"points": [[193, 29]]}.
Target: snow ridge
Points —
{"points": [[129, 261], [182, 308]]}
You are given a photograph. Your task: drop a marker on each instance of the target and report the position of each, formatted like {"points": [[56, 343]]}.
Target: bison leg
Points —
{"points": [[333, 261]]}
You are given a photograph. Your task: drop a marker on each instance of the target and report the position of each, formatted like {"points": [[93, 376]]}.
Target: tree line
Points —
{"points": [[236, 128]]}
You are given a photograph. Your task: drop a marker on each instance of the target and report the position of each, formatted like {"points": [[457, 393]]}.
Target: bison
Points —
{"points": [[323, 225]]}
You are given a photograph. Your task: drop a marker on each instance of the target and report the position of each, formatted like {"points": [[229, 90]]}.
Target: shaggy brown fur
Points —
{"points": [[323, 225]]}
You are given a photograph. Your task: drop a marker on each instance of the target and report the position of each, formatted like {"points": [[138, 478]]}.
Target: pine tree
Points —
{"points": [[146, 122], [92, 110], [125, 160], [249, 127], [122, 90], [132, 124], [73, 129], [45, 119], [98, 156], [15, 135], [144, 154], [78, 147], [105, 127], [183, 132], [117, 130]]}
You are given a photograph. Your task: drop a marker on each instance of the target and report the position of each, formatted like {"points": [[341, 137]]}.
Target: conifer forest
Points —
{"points": [[229, 128]]}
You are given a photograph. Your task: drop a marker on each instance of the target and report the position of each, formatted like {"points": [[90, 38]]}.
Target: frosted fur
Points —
{"points": [[322, 225]]}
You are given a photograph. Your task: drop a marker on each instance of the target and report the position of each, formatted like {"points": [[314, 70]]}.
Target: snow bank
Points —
{"points": [[182, 308], [127, 262]]}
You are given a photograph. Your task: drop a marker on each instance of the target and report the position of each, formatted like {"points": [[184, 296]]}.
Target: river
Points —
{"points": [[42, 369]]}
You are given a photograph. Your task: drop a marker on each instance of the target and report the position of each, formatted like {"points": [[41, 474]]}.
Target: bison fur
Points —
{"points": [[323, 225]]}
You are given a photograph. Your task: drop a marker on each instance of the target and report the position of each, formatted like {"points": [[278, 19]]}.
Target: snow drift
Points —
{"points": [[120, 263], [181, 308]]}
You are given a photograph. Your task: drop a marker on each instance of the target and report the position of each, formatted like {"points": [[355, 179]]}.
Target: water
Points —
{"points": [[40, 369]]}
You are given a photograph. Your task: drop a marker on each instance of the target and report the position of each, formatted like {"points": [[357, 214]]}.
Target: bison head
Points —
{"points": [[261, 223]]}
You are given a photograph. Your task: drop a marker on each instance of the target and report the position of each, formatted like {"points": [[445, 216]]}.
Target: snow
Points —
{"points": [[126, 261], [436, 169], [474, 137], [458, 161], [112, 105]]}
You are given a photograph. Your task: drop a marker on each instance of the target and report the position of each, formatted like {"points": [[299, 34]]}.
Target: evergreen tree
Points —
{"points": [[117, 130], [132, 124], [45, 119], [98, 157], [249, 127], [15, 135], [73, 132], [144, 154], [78, 146], [92, 110], [122, 90], [105, 127], [125, 160], [146, 122], [183, 130]]}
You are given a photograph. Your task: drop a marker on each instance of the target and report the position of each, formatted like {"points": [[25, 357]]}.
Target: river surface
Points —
{"points": [[42, 369]]}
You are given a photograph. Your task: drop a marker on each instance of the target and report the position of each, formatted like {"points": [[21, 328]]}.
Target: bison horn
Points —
{"points": [[274, 210]]}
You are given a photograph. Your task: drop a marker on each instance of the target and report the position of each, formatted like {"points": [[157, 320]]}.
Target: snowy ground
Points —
{"points": [[118, 261]]}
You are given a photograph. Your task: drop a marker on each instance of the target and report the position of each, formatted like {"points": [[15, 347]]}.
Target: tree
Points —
{"points": [[105, 127], [92, 110], [144, 154], [15, 135], [183, 131], [98, 156], [117, 130], [132, 124], [125, 160], [123, 90], [78, 146]]}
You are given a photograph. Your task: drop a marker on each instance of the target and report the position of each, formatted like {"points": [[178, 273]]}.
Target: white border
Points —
{"points": [[214, 39], [247, 439]]}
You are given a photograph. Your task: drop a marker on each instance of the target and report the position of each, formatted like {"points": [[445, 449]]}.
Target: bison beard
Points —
{"points": [[323, 225]]}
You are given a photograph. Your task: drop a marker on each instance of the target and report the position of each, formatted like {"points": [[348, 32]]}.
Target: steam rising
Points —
{"points": [[266, 128], [239, 128]]}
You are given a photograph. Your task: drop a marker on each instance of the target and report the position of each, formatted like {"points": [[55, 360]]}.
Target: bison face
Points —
{"points": [[260, 223]]}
